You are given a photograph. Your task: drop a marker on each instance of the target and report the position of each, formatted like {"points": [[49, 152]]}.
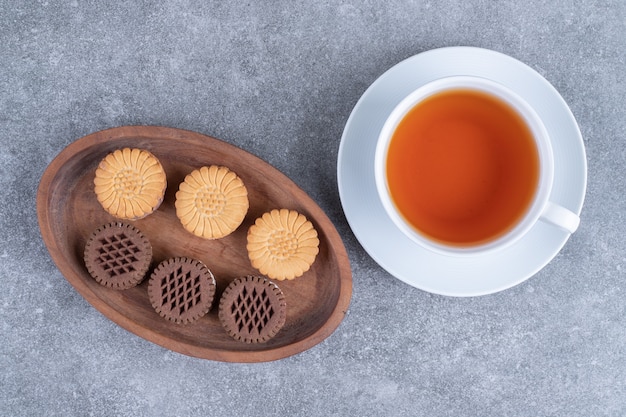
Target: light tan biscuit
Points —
{"points": [[212, 202], [282, 244], [130, 183]]}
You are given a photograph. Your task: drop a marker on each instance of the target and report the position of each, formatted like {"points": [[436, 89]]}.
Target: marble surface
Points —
{"points": [[279, 79]]}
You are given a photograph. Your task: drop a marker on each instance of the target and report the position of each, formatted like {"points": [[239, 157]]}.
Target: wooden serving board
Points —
{"points": [[68, 213]]}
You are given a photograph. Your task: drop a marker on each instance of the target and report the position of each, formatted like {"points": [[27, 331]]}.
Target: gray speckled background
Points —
{"points": [[279, 79]]}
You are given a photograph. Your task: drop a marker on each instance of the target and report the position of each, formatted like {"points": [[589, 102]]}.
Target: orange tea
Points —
{"points": [[462, 167]]}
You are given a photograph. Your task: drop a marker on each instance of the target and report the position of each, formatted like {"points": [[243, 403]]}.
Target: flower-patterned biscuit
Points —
{"points": [[212, 202], [282, 244], [130, 183]]}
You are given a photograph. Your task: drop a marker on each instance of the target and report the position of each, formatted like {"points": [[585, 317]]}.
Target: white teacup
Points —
{"points": [[539, 206]]}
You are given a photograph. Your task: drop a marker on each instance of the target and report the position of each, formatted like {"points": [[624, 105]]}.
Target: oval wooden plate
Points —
{"points": [[68, 213]]}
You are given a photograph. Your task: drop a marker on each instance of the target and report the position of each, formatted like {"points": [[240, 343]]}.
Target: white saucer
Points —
{"points": [[399, 255]]}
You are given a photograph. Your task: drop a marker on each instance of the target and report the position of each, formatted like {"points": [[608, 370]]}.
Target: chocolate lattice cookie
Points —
{"points": [[252, 309], [118, 255], [181, 289]]}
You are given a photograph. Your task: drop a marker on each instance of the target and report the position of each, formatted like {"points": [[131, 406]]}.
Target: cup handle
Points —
{"points": [[560, 217]]}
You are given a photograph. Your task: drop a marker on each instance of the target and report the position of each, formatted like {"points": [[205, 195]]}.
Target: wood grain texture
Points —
{"points": [[68, 213]]}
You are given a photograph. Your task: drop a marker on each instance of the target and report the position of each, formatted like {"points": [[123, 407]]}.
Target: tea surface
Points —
{"points": [[462, 167]]}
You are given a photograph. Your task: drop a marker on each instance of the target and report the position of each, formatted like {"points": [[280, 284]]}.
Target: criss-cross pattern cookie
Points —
{"points": [[212, 202], [118, 255], [181, 289], [282, 244], [130, 183], [252, 309]]}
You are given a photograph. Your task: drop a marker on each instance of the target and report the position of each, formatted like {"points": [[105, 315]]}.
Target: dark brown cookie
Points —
{"points": [[118, 255], [181, 289], [252, 309]]}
